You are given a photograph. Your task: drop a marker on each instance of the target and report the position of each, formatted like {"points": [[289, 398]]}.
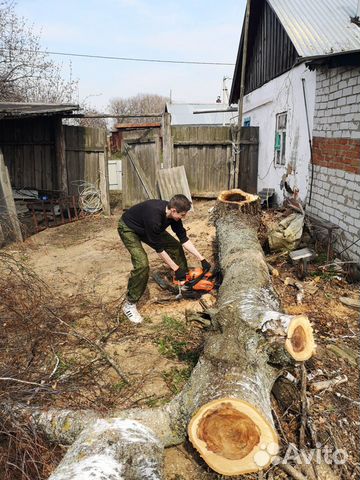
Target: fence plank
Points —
{"points": [[104, 183], [7, 204], [139, 171], [173, 181]]}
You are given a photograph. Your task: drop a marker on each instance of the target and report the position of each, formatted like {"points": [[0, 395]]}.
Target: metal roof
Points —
{"points": [[182, 114], [319, 27], [19, 109]]}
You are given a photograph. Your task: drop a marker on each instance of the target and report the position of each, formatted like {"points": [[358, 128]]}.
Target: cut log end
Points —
{"points": [[300, 342], [237, 196], [233, 437]]}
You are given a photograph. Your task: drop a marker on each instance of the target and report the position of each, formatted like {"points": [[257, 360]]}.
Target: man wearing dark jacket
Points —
{"points": [[147, 222]]}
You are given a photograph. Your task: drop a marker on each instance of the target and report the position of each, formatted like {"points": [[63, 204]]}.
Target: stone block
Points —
{"points": [[351, 99]]}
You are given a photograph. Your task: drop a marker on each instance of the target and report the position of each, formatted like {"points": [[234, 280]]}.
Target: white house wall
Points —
{"points": [[283, 94]]}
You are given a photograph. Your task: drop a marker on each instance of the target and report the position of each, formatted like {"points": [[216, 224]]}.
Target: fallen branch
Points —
{"points": [[295, 474], [93, 345], [328, 384], [9, 379], [304, 407]]}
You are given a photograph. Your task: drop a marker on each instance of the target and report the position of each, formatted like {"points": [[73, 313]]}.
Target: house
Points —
{"points": [[183, 114], [302, 88]]}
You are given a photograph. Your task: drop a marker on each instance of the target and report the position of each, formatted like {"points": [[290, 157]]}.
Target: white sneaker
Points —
{"points": [[132, 313]]}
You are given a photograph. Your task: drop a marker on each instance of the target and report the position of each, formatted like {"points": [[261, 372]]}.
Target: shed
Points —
{"points": [[42, 154]]}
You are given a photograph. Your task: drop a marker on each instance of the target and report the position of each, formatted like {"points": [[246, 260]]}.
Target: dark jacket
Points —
{"points": [[148, 220]]}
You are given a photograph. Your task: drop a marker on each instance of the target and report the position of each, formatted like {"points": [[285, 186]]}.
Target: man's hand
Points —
{"points": [[205, 265], [180, 274]]}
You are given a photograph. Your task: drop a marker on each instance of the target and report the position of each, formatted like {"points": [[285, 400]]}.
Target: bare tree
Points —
{"points": [[143, 103], [27, 73]]}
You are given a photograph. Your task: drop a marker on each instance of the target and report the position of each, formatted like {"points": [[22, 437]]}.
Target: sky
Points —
{"points": [[197, 30]]}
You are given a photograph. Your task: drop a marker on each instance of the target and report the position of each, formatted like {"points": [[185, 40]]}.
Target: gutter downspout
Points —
{"points": [[310, 142], [241, 96]]}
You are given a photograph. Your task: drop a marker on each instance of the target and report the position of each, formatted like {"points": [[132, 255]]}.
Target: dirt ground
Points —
{"points": [[78, 274]]}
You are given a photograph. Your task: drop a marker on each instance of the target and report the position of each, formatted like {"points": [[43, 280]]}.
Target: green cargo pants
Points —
{"points": [[140, 274]]}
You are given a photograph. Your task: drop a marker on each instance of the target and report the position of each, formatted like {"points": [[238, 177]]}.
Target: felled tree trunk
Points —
{"points": [[225, 406], [233, 429]]}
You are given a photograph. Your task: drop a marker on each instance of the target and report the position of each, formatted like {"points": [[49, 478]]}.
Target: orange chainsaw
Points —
{"points": [[196, 283]]}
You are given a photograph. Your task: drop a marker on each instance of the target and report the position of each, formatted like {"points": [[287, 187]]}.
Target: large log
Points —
{"points": [[233, 428], [225, 406]]}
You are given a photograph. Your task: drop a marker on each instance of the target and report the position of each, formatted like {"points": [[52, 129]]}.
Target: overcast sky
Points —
{"points": [[197, 30]]}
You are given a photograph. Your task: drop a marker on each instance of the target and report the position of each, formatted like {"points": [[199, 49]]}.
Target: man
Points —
{"points": [[147, 222]]}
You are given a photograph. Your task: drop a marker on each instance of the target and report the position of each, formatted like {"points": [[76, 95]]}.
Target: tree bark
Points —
{"points": [[225, 406]]}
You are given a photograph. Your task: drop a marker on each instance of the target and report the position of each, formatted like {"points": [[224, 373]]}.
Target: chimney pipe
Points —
{"points": [[358, 9]]}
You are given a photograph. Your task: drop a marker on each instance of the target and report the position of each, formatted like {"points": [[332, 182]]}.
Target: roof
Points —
{"points": [[182, 114], [134, 126], [17, 109], [321, 27]]}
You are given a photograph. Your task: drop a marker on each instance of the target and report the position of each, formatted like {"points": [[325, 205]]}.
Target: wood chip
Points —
{"points": [[351, 302]]}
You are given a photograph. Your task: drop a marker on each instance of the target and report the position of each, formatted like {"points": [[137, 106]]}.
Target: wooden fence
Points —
{"points": [[146, 154], [84, 152], [42, 154], [207, 154], [29, 150]]}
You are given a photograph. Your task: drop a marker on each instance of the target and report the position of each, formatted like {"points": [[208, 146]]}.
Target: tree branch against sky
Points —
{"points": [[200, 30], [27, 74], [137, 105]]}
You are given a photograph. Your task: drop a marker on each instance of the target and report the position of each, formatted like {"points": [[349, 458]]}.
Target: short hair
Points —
{"points": [[180, 203]]}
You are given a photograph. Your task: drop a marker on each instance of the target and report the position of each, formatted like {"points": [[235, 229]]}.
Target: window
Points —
{"points": [[247, 121], [280, 138]]}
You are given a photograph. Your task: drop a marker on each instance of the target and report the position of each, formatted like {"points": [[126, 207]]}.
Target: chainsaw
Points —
{"points": [[196, 283]]}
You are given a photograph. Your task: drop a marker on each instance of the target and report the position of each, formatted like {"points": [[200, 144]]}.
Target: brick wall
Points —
{"points": [[336, 154]]}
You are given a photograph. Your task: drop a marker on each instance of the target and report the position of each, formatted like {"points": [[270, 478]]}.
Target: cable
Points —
{"points": [[105, 57], [89, 196]]}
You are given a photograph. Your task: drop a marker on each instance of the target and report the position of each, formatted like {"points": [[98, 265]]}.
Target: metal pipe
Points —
{"points": [[358, 9], [310, 142], [242, 90]]}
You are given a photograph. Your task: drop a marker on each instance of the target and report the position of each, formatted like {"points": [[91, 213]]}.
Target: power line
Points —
{"points": [[127, 59]]}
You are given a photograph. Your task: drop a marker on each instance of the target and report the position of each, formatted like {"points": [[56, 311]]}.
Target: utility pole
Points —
{"points": [[241, 95]]}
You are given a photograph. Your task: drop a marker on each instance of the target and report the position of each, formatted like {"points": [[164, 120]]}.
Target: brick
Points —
{"points": [[342, 100], [345, 110], [356, 89], [337, 94], [351, 99], [348, 91], [352, 81]]}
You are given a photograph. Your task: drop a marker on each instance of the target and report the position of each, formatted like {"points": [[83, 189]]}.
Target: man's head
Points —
{"points": [[178, 207]]}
